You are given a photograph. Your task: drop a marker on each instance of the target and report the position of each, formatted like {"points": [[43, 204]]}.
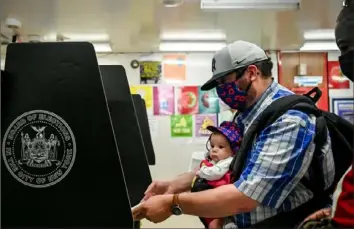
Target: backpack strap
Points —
{"points": [[235, 116], [316, 92]]}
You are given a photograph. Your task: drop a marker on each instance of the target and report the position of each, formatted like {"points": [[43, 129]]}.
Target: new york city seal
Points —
{"points": [[39, 149]]}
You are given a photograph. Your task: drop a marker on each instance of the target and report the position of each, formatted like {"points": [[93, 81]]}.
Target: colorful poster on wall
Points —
{"points": [[164, 100], [187, 99], [150, 72], [174, 67], [146, 93], [336, 80], [181, 126], [344, 107], [202, 121], [208, 102]]}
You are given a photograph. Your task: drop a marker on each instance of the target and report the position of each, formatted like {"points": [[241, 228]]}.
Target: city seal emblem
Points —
{"points": [[39, 149]]}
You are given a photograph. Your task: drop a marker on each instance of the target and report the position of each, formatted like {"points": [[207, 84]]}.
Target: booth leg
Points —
{"points": [[137, 224]]}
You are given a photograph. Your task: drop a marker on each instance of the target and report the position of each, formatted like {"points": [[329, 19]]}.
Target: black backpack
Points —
{"points": [[341, 133]]}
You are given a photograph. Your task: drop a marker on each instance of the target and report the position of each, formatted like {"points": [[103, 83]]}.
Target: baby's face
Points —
{"points": [[219, 147]]}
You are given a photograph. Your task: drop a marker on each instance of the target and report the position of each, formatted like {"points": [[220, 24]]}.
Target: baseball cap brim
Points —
{"points": [[213, 129], [210, 84]]}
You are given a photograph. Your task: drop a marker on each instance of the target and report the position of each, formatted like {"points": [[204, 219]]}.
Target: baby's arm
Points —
{"points": [[215, 172]]}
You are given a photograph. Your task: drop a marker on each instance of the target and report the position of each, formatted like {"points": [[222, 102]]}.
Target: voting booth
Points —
{"points": [[143, 121], [127, 132], [60, 162]]}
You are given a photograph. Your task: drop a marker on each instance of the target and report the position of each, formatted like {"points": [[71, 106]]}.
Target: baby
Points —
{"points": [[214, 171]]}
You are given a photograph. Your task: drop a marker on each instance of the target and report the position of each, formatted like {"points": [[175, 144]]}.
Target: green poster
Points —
{"points": [[181, 126]]}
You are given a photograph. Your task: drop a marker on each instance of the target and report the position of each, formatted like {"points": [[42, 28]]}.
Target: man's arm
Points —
{"points": [[279, 160], [220, 202], [183, 182], [215, 172]]}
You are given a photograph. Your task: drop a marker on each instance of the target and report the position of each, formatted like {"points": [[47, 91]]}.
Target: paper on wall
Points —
{"points": [[154, 127]]}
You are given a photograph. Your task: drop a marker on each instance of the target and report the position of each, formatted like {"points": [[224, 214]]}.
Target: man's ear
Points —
{"points": [[254, 77], [253, 71]]}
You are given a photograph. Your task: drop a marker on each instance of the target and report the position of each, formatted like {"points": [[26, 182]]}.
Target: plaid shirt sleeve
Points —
{"points": [[279, 159]]}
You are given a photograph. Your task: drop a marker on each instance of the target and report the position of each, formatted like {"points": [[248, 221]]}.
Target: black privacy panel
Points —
{"points": [[143, 121], [126, 129], [60, 164]]}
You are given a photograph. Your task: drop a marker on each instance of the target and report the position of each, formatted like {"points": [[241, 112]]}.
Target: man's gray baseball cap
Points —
{"points": [[232, 57]]}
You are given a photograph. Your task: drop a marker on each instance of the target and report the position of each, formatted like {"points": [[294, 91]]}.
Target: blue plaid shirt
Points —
{"points": [[278, 160]]}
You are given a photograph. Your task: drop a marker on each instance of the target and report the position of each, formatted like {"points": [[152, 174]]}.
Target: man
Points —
{"points": [[279, 159], [342, 211], [345, 38]]}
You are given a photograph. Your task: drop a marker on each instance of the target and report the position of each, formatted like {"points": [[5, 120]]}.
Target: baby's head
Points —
{"points": [[225, 141]]}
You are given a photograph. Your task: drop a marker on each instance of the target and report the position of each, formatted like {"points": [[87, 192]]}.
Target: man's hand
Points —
{"points": [[320, 214], [158, 188], [181, 183], [155, 209]]}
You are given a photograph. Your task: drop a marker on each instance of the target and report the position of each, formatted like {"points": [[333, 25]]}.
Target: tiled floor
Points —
{"points": [[183, 221]]}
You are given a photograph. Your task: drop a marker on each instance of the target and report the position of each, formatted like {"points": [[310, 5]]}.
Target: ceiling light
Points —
{"points": [[102, 47], [172, 3], [191, 46], [193, 35], [86, 37], [50, 37], [319, 34], [319, 46], [95, 37], [250, 4]]}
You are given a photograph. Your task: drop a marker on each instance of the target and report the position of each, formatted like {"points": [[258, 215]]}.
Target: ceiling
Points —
{"points": [[135, 25]]}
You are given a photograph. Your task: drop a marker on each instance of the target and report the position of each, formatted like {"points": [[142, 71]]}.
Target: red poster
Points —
{"points": [[187, 100], [336, 80]]}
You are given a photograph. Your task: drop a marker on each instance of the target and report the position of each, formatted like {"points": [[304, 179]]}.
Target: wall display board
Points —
{"points": [[344, 107]]}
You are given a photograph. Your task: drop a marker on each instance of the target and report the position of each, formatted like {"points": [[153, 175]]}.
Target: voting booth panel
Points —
{"points": [[60, 164], [143, 121], [126, 129]]}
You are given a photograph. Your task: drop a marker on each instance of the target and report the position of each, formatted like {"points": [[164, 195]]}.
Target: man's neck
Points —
{"points": [[263, 87]]}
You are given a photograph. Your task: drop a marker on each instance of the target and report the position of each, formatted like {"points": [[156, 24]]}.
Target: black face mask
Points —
{"points": [[346, 62]]}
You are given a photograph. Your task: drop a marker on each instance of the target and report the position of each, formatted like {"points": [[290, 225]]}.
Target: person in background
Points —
{"points": [[279, 159], [341, 213], [214, 171]]}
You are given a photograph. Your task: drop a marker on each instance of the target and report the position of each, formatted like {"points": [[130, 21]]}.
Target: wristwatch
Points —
{"points": [[176, 209]]}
